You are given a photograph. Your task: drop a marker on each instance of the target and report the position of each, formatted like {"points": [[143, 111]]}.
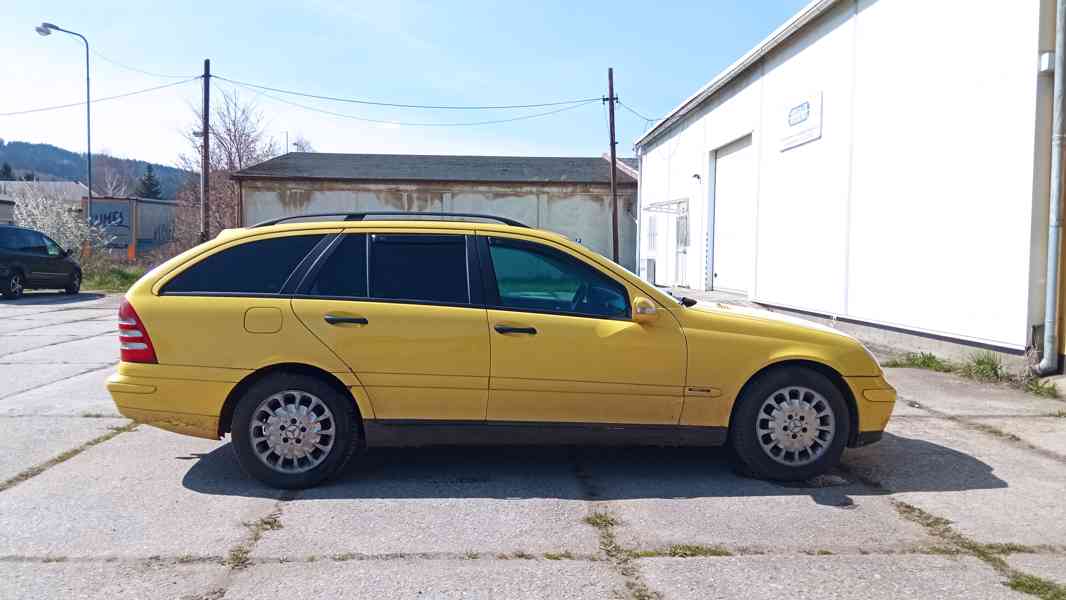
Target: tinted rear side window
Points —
{"points": [[344, 272], [259, 267], [427, 268]]}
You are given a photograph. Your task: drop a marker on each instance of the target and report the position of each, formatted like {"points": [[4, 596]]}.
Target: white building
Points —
{"points": [[884, 162]]}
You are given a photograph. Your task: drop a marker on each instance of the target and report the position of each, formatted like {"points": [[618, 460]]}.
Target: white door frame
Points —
{"points": [[712, 165]]}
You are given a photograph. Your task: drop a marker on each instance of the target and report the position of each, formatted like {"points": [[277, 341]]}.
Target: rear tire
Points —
{"points": [[13, 286], [790, 424], [294, 431], [75, 283]]}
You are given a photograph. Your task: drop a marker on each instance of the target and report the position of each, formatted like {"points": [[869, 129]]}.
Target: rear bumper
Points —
{"points": [[875, 399], [186, 406]]}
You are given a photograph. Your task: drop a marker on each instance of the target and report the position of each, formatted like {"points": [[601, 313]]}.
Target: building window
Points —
{"points": [[653, 232]]}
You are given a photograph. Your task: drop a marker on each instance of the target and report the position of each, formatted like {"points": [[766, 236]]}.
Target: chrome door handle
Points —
{"points": [[338, 320], [509, 329]]}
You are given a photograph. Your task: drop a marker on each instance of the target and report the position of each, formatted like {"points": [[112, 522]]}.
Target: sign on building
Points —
{"points": [[802, 118]]}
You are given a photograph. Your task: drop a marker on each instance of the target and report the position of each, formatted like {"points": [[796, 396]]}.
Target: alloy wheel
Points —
{"points": [[795, 426], [292, 431]]}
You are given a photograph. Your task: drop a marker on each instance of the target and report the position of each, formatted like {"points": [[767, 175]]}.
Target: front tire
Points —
{"points": [[14, 285], [74, 286], [791, 424], [293, 431]]}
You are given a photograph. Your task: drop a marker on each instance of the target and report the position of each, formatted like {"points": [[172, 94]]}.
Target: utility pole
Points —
{"points": [[205, 162], [611, 99]]}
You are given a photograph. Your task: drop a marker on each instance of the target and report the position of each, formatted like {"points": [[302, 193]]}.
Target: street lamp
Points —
{"points": [[45, 29]]}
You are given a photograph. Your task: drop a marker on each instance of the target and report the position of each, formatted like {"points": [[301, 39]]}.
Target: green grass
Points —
{"points": [[1036, 586], [112, 279], [685, 551], [921, 360], [1040, 387], [984, 366]]}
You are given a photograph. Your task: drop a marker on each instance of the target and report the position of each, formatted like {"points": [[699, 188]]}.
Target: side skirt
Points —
{"points": [[418, 432]]}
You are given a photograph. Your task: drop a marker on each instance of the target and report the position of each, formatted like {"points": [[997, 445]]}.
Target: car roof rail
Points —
{"points": [[361, 216]]}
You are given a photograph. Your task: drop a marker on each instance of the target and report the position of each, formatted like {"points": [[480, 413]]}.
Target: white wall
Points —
{"points": [[915, 206]]}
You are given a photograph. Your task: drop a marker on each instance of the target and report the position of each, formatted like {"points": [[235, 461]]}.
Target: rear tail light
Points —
{"points": [[134, 343]]}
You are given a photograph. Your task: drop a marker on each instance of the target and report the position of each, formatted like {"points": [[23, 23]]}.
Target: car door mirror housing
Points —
{"points": [[644, 310]]}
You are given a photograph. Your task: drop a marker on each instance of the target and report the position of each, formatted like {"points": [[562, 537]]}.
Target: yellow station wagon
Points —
{"points": [[306, 341]]}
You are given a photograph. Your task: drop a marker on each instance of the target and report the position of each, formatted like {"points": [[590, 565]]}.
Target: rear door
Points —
{"points": [[398, 307]]}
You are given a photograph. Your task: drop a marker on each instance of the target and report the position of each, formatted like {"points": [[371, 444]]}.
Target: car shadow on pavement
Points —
{"points": [[49, 298], [593, 473]]}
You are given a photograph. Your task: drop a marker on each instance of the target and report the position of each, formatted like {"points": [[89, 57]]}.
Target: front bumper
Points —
{"points": [[875, 399]]}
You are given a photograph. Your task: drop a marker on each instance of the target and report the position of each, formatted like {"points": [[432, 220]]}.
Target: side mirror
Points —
{"points": [[644, 310]]}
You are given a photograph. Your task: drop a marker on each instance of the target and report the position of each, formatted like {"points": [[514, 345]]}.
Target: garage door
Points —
{"points": [[734, 217]]}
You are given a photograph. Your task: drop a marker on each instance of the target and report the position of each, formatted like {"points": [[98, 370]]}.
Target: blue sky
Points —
{"points": [[444, 52]]}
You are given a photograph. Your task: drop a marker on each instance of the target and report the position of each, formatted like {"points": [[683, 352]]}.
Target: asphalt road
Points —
{"points": [[963, 496]]}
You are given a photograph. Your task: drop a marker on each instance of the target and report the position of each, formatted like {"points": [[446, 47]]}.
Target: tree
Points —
{"points": [[302, 144], [238, 140], [6, 174], [149, 185], [112, 176], [57, 217]]}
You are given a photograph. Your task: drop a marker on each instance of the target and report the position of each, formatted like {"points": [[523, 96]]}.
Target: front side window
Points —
{"points": [[419, 267], [534, 277], [257, 267], [51, 247]]}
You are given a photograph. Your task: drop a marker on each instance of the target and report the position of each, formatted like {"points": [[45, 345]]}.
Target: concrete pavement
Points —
{"points": [[962, 497]]}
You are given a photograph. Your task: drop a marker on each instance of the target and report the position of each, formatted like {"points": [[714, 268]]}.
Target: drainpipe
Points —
{"points": [[1050, 362]]}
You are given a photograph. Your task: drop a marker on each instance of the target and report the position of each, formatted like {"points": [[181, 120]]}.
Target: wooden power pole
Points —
{"points": [[205, 162], [614, 163]]}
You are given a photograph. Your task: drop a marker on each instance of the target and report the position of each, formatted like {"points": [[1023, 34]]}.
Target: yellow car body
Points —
{"points": [[668, 370]]}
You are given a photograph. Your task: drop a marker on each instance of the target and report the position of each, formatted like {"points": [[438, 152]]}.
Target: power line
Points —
{"points": [[135, 69], [632, 110], [396, 105], [94, 101], [418, 124]]}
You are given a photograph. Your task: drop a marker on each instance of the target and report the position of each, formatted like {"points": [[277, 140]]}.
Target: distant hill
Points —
{"points": [[51, 163]]}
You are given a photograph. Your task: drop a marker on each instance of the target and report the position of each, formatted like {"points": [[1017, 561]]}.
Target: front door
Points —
{"points": [[397, 309], [564, 347]]}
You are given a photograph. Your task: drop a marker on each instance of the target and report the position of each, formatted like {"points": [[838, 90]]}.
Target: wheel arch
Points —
{"points": [[225, 418], [828, 372]]}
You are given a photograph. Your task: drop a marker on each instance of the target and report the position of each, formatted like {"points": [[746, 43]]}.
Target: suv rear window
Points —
{"points": [[258, 267]]}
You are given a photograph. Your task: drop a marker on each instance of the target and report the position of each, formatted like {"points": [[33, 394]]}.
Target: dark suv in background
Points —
{"points": [[31, 260]]}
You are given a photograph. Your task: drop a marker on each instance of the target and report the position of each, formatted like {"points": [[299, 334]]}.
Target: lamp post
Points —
{"points": [[47, 29]]}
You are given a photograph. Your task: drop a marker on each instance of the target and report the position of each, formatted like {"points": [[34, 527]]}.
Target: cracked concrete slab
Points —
{"points": [[439, 579], [16, 378], [75, 396], [686, 496], [992, 490], [128, 497], [824, 578], [79, 329], [30, 441], [95, 350], [103, 580], [1048, 433], [954, 395], [11, 343], [440, 500]]}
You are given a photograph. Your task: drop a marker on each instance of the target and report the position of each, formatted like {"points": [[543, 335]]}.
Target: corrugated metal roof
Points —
{"points": [[70, 191], [416, 167], [805, 15]]}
